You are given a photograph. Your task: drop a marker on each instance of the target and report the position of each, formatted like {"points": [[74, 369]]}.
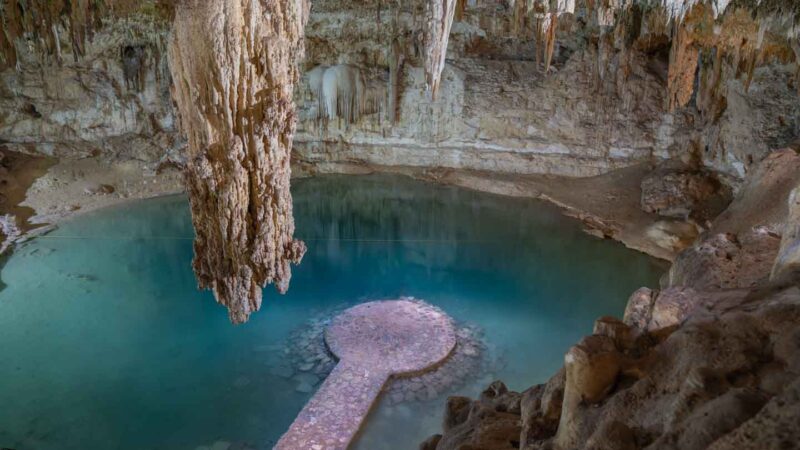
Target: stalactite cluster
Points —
{"points": [[234, 67], [742, 35], [45, 24]]}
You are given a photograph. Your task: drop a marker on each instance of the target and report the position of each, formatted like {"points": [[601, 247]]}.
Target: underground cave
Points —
{"points": [[394, 224]]}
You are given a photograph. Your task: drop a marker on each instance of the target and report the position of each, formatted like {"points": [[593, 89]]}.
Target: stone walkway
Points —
{"points": [[373, 342]]}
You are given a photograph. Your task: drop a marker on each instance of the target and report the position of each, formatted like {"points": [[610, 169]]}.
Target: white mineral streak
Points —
{"points": [[341, 92], [565, 6], [234, 66], [677, 9], [438, 20]]}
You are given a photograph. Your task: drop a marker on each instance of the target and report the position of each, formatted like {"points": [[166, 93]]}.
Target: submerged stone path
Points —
{"points": [[373, 342]]}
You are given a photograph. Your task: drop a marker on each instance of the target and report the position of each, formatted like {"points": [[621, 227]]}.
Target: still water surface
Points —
{"points": [[105, 342]]}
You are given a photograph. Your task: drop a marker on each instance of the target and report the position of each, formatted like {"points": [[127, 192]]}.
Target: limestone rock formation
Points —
{"points": [[681, 193], [787, 265], [709, 361], [438, 20], [234, 66]]}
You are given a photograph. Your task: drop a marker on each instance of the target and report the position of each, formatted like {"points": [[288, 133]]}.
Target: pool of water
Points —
{"points": [[106, 343]]}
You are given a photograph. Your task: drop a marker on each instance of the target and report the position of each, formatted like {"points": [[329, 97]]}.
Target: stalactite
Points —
{"points": [[550, 39], [40, 21], [438, 20], [711, 101], [682, 67], [461, 7], [396, 61], [541, 28], [795, 43], [546, 27], [519, 12], [234, 65]]}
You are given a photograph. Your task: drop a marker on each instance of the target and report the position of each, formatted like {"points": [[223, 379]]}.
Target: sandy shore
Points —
{"points": [[608, 205]]}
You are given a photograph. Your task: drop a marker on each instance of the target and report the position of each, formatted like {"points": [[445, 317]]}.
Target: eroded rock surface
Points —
{"points": [[709, 361], [234, 65]]}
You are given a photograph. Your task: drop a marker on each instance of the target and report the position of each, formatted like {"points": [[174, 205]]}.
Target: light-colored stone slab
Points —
{"points": [[373, 342]]}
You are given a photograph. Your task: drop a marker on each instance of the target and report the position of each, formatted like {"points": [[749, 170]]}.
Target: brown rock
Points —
{"points": [[680, 194], [725, 260], [614, 328], [431, 442], [456, 412], [672, 235], [672, 306], [712, 420], [612, 435], [553, 395], [787, 263], [639, 309], [591, 367], [485, 429]]}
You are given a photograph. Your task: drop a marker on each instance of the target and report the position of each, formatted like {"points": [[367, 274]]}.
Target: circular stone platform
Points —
{"points": [[397, 337], [373, 342]]}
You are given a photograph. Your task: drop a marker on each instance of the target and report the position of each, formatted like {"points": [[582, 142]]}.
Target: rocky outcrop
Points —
{"points": [[709, 361], [787, 265], [665, 391], [739, 248], [683, 193], [234, 65]]}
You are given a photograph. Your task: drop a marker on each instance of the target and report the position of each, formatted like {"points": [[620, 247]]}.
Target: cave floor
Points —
{"points": [[608, 204]]}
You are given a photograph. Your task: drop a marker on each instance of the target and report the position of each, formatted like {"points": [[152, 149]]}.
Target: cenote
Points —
{"points": [[114, 347]]}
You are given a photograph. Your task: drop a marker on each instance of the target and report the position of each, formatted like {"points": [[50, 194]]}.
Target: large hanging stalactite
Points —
{"points": [[438, 20], [234, 66]]}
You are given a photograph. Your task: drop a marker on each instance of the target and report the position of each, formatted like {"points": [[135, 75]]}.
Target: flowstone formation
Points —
{"points": [[234, 66], [373, 341]]}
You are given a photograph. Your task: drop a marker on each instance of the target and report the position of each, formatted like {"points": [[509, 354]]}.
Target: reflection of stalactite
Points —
{"points": [[234, 75]]}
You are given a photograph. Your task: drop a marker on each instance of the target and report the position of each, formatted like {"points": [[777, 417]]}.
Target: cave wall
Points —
{"points": [[602, 104], [112, 101]]}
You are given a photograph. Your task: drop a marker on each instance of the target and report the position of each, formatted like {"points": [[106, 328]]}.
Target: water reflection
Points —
{"points": [[105, 341]]}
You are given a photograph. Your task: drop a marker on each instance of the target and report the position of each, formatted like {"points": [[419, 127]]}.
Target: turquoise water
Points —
{"points": [[105, 342]]}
